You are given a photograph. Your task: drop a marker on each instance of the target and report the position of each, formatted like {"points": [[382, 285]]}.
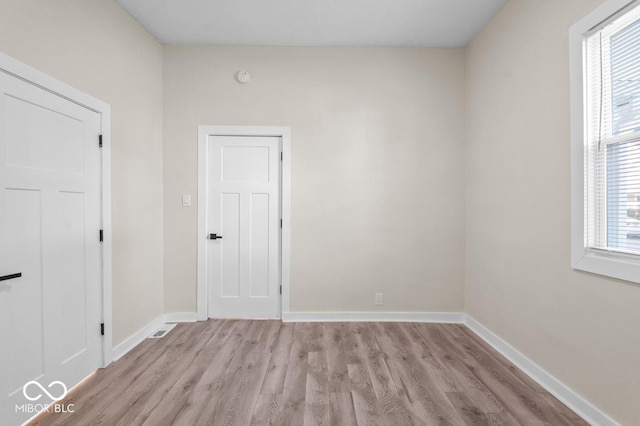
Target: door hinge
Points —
{"points": [[280, 289], [102, 329], [100, 141], [101, 236], [281, 156], [280, 223]]}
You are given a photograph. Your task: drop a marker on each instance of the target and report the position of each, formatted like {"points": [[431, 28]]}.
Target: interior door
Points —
{"points": [[243, 222], [50, 255]]}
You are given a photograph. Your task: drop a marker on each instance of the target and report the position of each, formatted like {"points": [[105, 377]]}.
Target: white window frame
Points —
{"points": [[609, 263]]}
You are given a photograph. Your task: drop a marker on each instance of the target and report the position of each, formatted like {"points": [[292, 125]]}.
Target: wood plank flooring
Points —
{"points": [[240, 372]]}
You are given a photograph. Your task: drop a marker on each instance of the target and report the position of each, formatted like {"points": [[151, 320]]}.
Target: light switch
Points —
{"points": [[186, 200]]}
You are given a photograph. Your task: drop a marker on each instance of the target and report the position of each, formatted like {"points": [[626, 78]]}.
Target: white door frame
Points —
{"points": [[285, 258], [31, 75]]}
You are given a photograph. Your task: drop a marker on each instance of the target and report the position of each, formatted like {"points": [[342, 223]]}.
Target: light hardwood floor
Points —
{"points": [[240, 372]]}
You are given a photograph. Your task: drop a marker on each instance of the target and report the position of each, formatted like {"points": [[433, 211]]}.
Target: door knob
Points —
{"points": [[215, 237]]}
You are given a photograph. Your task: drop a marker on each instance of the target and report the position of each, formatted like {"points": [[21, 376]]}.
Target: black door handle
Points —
{"points": [[215, 237], [11, 276]]}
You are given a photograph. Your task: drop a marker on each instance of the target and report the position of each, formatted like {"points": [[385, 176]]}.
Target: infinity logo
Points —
{"points": [[37, 384]]}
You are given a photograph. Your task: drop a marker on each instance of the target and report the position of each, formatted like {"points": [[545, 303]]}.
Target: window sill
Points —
{"points": [[610, 264]]}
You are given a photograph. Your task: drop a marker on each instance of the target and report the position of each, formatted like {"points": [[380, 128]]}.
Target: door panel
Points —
{"points": [[49, 224], [65, 263], [259, 246], [21, 301], [229, 266], [243, 204], [245, 163], [30, 146]]}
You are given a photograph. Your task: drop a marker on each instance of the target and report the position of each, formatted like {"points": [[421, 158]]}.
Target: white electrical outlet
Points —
{"points": [[378, 299]]}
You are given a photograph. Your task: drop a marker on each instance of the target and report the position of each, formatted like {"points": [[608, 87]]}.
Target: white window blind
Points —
{"points": [[612, 151]]}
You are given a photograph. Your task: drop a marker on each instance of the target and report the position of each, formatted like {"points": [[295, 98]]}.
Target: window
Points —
{"points": [[613, 135], [605, 103]]}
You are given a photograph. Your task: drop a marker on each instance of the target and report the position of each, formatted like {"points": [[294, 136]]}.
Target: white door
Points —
{"points": [[49, 233], [243, 207]]}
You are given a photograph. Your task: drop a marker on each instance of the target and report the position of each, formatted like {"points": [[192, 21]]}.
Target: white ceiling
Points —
{"points": [[429, 23]]}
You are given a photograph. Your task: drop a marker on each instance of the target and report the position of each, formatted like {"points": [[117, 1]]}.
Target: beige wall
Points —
{"points": [[583, 329], [379, 164], [98, 48], [377, 173]]}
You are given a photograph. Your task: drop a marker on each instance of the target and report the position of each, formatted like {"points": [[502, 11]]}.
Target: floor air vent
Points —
{"points": [[162, 331]]}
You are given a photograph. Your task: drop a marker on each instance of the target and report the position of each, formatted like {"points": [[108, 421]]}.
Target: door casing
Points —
{"points": [[203, 134], [37, 78]]}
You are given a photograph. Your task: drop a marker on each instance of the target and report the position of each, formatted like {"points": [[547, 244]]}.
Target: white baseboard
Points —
{"points": [[568, 396], [180, 317], [440, 317], [136, 338]]}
